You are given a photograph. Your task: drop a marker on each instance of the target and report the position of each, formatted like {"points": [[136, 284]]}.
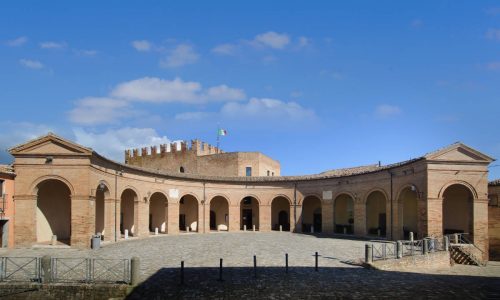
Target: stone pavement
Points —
{"points": [[338, 275]]}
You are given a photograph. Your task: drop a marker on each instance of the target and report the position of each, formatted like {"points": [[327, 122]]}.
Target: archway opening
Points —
{"points": [[188, 213], [101, 194], [219, 214], [280, 214], [158, 206], [249, 212], [311, 214], [344, 214], [457, 210], [127, 212], [376, 217], [409, 212], [53, 214]]}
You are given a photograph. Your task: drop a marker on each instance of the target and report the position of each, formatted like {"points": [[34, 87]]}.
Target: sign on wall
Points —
{"points": [[173, 193], [327, 195]]}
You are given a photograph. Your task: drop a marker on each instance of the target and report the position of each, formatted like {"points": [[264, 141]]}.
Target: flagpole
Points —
{"points": [[218, 137]]}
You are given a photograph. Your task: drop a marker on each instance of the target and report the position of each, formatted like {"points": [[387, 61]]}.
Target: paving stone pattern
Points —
{"points": [[338, 275]]}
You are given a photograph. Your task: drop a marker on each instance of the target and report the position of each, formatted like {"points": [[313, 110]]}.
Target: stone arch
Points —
{"points": [[158, 211], [189, 212], [407, 199], [102, 192], [457, 210], [219, 213], [376, 212], [376, 189], [223, 195], [461, 182], [128, 211], [343, 210], [249, 212], [280, 213], [53, 213], [135, 190], [301, 201], [311, 216], [35, 184]]}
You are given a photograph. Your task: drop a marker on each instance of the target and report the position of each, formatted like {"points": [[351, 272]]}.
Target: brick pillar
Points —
{"points": [[397, 223], [25, 220], [434, 217], [327, 217], [109, 219], [234, 217], [292, 224], [204, 215], [480, 226], [359, 218], [141, 218], [173, 218], [298, 225], [264, 218], [82, 220], [166, 217]]}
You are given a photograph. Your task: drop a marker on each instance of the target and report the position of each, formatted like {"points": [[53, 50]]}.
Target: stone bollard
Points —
{"points": [[378, 232], [126, 233], [425, 248], [411, 236], [156, 231], [188, 228], [281, 228], [399, 248], [46, 269], [135, 267], [446, 243], [312, 229], [244, 227], [455, 238], [53, 240], [253, 228], [368, 253], [345, 230]]}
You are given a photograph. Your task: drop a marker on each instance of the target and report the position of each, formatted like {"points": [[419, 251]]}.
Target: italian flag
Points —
{"points": [[222, 132]]}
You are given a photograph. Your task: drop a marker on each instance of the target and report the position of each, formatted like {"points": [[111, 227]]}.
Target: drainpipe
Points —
{"points": [[392, 214], [116, 199], [204, 222], [295, 207]]}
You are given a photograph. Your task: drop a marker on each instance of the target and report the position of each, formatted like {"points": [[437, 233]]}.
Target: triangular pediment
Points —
{"points": [[50, 144], [459, 152]]}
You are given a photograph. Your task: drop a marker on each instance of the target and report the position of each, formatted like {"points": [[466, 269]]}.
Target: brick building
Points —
{"points": [[70, 191], [7, 209], [494, 219], [203, 159]]}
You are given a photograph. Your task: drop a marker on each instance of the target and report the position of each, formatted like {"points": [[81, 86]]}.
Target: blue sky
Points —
{"points": [[316, 85]]}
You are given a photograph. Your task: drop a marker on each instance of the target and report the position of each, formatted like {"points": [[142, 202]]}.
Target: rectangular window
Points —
{"points": [[273, 174], [268, 173], [249, 171], [1, 188]]}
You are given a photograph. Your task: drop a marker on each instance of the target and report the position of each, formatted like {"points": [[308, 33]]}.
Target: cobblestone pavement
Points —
{"points": [[338, 276]]}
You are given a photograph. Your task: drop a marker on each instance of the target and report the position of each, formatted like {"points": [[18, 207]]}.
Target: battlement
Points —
{"points": [[196, 147]]}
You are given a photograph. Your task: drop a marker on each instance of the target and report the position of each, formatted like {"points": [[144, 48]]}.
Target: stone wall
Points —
{"points": [[435, 260], [494, 222]]}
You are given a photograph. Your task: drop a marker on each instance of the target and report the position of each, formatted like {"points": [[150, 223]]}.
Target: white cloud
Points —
{"points": [[195, 115], [83, 52], [385, 111], [94, 111], [113, 142], [53, 45], [142, 45], [17, 42], [272, 39], [31, 64], [493, 34], [267, 108], [494, 66], [225, 49], [15, 133], [181, 55], [152, 89], [303, 41]]}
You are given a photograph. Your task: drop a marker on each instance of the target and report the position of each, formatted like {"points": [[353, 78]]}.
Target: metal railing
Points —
{"points": [[463, 241], [381, 250], [25, 269], [65, 270]]}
